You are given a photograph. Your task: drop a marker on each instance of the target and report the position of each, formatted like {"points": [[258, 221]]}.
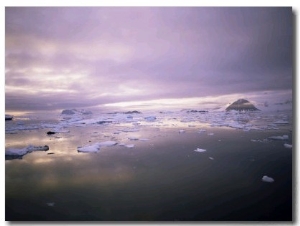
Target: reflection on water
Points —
{"points": [[161, 178]]}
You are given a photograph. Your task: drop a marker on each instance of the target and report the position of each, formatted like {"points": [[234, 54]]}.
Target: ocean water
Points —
{"points": [[153, 172]]}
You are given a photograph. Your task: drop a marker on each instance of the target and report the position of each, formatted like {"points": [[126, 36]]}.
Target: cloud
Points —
{"points": [[86, 56]]}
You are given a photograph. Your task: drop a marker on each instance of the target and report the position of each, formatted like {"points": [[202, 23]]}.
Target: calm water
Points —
{"points": [[159, 179]]}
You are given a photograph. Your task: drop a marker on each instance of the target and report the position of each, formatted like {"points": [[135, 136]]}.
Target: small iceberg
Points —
{"points": [[182, 131], [211, 158], [267, 179], [288, 145], [200, 150]]}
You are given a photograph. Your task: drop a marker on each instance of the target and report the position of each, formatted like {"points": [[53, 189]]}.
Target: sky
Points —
{"points": [[81, 57]]}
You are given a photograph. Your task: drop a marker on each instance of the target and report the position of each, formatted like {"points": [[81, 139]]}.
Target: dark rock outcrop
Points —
{"points": [[242, 105]]}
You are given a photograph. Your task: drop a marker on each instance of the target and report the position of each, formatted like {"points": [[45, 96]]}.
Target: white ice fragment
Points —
{"points": [[96, 147], [107, 143], [150, 118], [28, 149], [200, 150], [143, 139], [129, 145], [202, 131], [89, 148], [50, 204], [267, 179], [133, 138], [281, 122], [210, 134], [211, 158], [283, 137], [182, 131], [288, 145]]}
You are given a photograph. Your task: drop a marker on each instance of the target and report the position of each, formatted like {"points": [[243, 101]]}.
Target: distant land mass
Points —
{"points": [[242, 105]]}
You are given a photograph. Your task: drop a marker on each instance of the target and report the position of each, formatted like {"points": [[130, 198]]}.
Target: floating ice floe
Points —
{"points": [[150, 118], [143, 139], [267, 179], [210, 134], [283, 137], [133, 138], [202, 131], [130, 130], [182, 131], [51, 204], [129, 145], [211, 158], [288, 145], [200, 150], [96, 147], [24, 151]]}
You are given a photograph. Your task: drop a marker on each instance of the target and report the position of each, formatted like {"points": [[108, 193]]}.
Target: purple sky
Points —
{"points": [[58, 58]]}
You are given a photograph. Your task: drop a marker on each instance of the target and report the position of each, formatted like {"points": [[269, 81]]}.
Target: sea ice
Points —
{"points": [[267, 179], [182, 131], [150, 118], [211, 158], [96, 147], [288, 145], [210, 134], [24, 151], [283, 137], [200, 150], [133, 138], [129, 145]]}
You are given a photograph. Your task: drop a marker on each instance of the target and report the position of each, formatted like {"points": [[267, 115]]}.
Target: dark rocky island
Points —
{"points": [[242, 105]]}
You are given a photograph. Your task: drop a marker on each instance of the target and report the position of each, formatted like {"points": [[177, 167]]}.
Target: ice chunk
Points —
{"points": [[129, 145], [200, 150], [284, 137], [107, 143], [133, 138], [96, 147], [288, 145], [211, 158], [210, 134], [202, 131], [143, 139], [51, 204], [267, 179], [281, 122], [24, 151], [182, 131], [150, 118], [89, 148]]}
